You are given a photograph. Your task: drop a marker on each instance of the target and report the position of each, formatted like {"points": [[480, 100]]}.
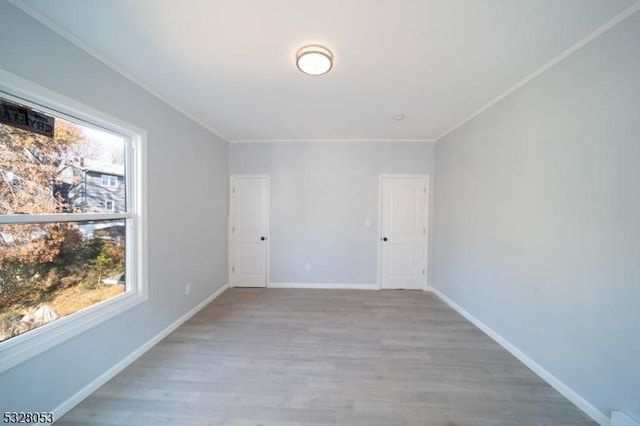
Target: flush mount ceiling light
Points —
{"points": [[314, 60]]}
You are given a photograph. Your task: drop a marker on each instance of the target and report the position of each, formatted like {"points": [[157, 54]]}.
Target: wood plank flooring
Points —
{"points": [[326, 357]]}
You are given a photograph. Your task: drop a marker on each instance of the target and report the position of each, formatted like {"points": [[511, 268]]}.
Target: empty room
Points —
{"points": [[286, 212]]}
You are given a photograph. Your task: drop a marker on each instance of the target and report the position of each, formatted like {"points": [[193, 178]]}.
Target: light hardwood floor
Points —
{"points": [[326, 357]]}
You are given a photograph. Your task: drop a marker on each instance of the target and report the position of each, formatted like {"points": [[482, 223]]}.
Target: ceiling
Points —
{"points": [[230, 64]]}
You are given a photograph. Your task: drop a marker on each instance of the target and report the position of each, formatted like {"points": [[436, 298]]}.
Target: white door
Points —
{"points": [[249, 224], [403, 232]]}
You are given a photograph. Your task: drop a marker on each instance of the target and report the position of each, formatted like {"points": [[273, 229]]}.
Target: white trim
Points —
{"points": [[267, 177], [326, 140], [102, 58], [427, 182], [49, 100], [552, 380], [230, 234], [379, 236], [427, 227], [568, 52], [249, 285], [618, 418], [326, 286], [27, 345], [106, 61], [268, 265], [62, 217], [83, 393]]}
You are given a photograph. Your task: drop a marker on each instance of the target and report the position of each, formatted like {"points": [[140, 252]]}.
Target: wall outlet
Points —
{"points": [[307, 266], [187, 288], [367, 223]]}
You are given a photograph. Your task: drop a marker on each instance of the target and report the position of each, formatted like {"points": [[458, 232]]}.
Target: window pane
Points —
{"points": [[48, 271], [61, 174]]}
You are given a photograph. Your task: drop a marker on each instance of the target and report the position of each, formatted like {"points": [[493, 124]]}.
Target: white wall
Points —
{"points": [[321, 194], [187, 212], [537, 219]]}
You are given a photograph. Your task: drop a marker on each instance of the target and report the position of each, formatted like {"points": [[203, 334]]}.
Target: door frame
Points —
{"points": [[267, 177], [427, 194]]}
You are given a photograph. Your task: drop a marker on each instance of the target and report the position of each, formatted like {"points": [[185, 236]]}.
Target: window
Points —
{"points": [[109, 180], [68, 260]]}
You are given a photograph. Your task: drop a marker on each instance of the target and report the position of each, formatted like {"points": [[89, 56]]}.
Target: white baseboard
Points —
{"points": [[333, 286], [552, 380], [618, 418], [74, 400]]}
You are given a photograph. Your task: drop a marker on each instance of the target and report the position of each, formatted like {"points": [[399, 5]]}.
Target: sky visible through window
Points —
{"points": [[109, 148]]}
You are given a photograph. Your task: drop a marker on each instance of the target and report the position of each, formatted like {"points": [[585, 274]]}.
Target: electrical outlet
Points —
{"points": [[187, 288], [307, 266]]}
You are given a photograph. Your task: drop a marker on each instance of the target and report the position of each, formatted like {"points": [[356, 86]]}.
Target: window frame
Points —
{"points": [[20, 348]]}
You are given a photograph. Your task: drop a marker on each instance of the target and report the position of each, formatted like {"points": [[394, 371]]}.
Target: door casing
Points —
{"points": [[426, 222], [230, 236]]}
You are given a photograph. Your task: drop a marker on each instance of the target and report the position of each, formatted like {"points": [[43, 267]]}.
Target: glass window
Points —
{"points": [[108, 180], [71, 242], [51, 270]]}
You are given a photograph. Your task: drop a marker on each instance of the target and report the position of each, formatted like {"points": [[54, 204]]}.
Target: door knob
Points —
{"points": [[384, 238], [263, 238]]}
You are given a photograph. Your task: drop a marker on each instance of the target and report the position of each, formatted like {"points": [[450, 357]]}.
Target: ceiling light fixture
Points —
{"points": [[314, 60]]}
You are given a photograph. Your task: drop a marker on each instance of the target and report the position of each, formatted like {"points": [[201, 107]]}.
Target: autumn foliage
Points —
{"points": [[40, 260], [30, 166]]}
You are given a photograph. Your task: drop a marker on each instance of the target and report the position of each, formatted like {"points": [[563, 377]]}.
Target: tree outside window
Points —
{"points": [[51, 266]]}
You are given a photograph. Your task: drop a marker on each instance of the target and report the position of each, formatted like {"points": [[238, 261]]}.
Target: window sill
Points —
{"points": [[25, 346]]}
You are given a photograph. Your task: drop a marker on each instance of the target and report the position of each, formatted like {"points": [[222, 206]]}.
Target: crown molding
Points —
{"points": [[109, 63], [565, 54], [234, 141], [20, 4]]}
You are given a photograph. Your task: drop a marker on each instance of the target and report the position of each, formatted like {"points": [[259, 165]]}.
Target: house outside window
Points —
{"points": [[87, 186], [72, 219]]}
